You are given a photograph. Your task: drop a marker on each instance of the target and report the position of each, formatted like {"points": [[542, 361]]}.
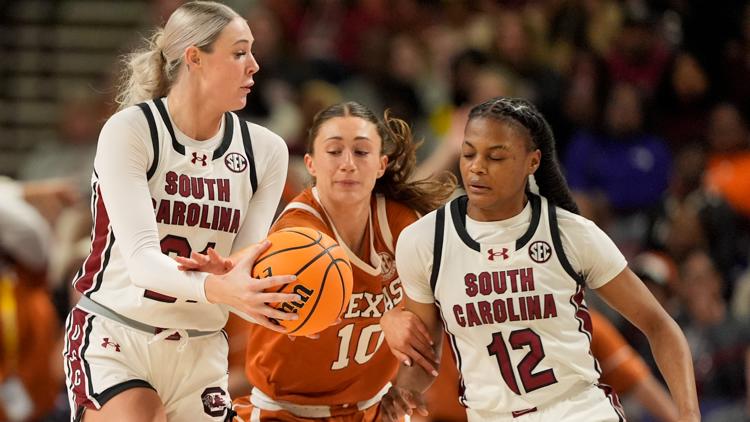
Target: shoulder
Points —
{"points": [[301, 218], [421, 232], [127, 131], [399, 216], [574, 225], [130, 119], [303, 211]]}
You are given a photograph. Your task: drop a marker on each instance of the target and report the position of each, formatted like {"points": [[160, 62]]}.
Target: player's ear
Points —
{"points": [[383, 165], [192, 57], [536, 159], [309, 165]]}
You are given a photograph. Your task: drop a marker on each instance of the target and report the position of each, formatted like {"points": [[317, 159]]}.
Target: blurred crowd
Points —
{"points": [[648, 101]]}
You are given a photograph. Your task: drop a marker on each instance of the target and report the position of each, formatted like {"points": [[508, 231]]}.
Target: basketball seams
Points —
{"points": [[323, 253], [343, 284], [317, 238], [315, 242]]}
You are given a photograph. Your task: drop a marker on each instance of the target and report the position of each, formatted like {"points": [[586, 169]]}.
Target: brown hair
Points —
{"points": [[399, 146]]}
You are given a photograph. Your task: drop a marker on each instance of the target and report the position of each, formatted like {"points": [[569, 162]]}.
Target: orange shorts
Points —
{"points": [[246, 412]]}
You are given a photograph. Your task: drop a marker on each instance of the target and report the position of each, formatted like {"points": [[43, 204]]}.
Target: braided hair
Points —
{"points": [[520, 112]]}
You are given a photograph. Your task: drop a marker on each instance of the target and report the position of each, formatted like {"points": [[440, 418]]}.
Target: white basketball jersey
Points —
{"points": [[200, 199], [514, 313]]}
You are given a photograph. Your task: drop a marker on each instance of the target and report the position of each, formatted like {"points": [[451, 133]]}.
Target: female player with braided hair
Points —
{"points": [[503, 271]]}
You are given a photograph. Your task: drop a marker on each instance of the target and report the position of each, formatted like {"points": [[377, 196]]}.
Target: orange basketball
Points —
{"points": [[324, 277]]}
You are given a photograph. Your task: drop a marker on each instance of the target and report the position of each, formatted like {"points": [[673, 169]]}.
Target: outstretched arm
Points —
{"points": [[627, 294]]}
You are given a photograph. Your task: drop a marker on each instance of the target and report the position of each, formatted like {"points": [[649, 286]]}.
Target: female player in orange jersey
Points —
{"points": [[362, 197], [503, 272]]}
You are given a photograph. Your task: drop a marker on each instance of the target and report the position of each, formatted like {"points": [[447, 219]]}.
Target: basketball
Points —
{"points": [[324, 277]]}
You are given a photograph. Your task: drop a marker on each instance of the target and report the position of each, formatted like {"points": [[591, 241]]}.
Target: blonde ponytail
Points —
{"points": [[144, 77], [151, 71]]}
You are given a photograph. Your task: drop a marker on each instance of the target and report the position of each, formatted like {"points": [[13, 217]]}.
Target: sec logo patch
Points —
{"points": [[236, 162]]}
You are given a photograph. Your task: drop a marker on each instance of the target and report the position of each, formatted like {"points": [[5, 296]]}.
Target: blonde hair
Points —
{"points": [[150, 72]]}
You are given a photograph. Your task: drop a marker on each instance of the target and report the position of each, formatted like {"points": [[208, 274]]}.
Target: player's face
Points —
{"points": [[227, 71], [347, 159], [495, 163]]}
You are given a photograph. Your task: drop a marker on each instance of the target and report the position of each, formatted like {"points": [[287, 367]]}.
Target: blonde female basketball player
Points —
{"points": [[175, 172], [503, 271], [362, 197]]}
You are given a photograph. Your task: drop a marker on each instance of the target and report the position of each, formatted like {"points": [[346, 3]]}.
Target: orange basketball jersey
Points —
{"points": [[350, 363]]}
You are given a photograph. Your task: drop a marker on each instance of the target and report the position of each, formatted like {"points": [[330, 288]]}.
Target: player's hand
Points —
{"points": [[239, 290], [398, 402], [409, 340], [211, 262]]}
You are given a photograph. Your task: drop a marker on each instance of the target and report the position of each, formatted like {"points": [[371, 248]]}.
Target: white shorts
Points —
{"points": [[104, 357], [593, 404]]}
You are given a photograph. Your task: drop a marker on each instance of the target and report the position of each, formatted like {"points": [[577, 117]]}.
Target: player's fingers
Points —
{"points": [[416, 401], [420, 345], [401, 357], [214, 256], [402, 405], [425, 364], [278, 297], [419, 330], [251, 253], [270, 312], [199, 257], [276, 280], [388, 414], [391, 412], [313, 336], [186, 262], [261, 320]]}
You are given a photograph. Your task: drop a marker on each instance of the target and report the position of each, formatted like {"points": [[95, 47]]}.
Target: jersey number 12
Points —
{"points": [[519, 339]]}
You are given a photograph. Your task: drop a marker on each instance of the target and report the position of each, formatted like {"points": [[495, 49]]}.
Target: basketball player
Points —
{"points": [[171, 176], [362, 198], [503, 270]]}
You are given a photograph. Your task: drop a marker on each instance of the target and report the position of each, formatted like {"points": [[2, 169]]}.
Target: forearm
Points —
{"points": [[416, 378], [652, 395], [672, 355]]}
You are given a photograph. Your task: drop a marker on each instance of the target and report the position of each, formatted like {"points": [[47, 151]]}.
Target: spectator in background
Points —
{"points": [[683, 102], [728, 172], [620, 169], [718, 341], [639, 57], [518, 46], [736, 64], [30, 365], [483, 83], [583, 96], [71, 153], [689, 216]]}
